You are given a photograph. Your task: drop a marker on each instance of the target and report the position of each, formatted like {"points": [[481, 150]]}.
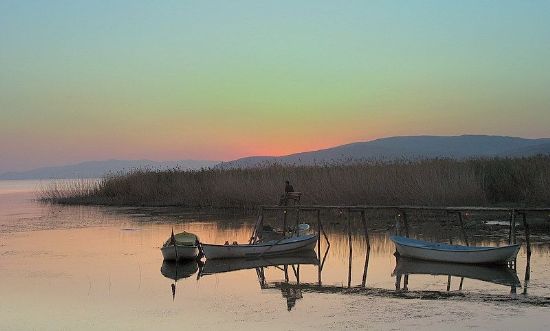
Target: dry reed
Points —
{"points": [[445, 182]]}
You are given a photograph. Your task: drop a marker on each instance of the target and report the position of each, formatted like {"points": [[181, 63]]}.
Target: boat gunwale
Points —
{"points": [[467, 249], [310, 236], [172, 245]]}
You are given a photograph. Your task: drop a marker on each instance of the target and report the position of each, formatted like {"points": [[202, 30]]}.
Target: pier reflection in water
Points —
{"points": [[292, 288]]}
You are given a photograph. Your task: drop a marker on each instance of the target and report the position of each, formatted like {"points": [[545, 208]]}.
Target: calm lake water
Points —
{"points": [[98, 268]]}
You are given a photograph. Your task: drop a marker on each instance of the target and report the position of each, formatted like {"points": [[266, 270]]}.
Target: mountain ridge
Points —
{"points": [[382, 149], [407, 147]]}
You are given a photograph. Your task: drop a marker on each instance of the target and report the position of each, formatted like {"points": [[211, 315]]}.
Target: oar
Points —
{"points": [[269, 248]]}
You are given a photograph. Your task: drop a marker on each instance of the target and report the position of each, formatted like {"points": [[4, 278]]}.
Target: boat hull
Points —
{"points": [[429, 251], [284, 246], [183, 252]]}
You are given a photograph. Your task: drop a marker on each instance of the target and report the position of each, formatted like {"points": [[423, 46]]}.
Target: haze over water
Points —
{"points": [[91, 268]]}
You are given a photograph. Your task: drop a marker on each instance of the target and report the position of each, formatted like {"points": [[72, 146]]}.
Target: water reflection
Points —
{"points": [[287, 264], [178, 270], [227, 265], [98, 268], [502, 275]]}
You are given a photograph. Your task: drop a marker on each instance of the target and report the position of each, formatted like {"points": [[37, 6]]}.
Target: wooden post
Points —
{"points": [[319, 246], [448, 225], [350, 248], [325, 235], [510, 230], [397, 226], [284, 223], [255, 230], [297, 220], [397, 282], [364, 220], [527, 236], [260, 231], [462, 228], [319, 233], [285, 268], [513, 228], [406, 223], [448, 283], [366, 268], [527, 278]]}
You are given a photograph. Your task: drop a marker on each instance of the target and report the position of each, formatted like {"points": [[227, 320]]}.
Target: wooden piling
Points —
{"points": [[297, 220], [513, 228], [527, 235], [319, 233], [397, 282], [397, 226], [365, 268], [364, 220], [319, 245], [350, 247], [257, 226], [463, 230], [284, 223], [405, 223], [447, 226]]}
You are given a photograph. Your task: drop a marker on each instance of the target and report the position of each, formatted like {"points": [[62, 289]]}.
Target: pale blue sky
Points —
{"points": [[86, 80]]}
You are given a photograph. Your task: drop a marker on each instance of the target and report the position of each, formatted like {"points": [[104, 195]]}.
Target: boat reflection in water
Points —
{"points": [[288, 264], [178, 270], [226, 265], [502, 274]]}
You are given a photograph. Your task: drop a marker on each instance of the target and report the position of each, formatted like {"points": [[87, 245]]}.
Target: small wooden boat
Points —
{"points": [[498, 274], [227, 265], [425, 250], [182, 246], [272, 247]]}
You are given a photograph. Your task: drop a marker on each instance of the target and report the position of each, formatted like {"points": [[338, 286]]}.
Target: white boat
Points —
{"points": [[272, 247], [425, 250], [182, 246]]}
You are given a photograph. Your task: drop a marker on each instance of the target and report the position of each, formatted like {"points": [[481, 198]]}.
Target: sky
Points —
{"points": [[218, 80]]}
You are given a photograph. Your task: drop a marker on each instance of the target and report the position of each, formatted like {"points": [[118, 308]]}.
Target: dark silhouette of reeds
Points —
{"points": [[436, 182]]}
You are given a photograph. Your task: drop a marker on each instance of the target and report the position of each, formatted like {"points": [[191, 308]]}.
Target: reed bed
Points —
{"points": [[436, 182]]}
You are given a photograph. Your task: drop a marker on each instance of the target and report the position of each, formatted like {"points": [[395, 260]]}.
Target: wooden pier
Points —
{"points": [[402, 216]]}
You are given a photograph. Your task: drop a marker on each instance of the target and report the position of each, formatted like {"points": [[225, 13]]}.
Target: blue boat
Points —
{"points": [[430, 251]]}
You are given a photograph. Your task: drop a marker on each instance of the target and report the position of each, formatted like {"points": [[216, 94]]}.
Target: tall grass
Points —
{"points": [[69, 190], [479, 182]]}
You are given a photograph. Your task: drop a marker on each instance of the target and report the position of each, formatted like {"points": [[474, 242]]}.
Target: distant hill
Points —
{"points": [[529, 150], [385, 149], [408, 147], [95, 169]]}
